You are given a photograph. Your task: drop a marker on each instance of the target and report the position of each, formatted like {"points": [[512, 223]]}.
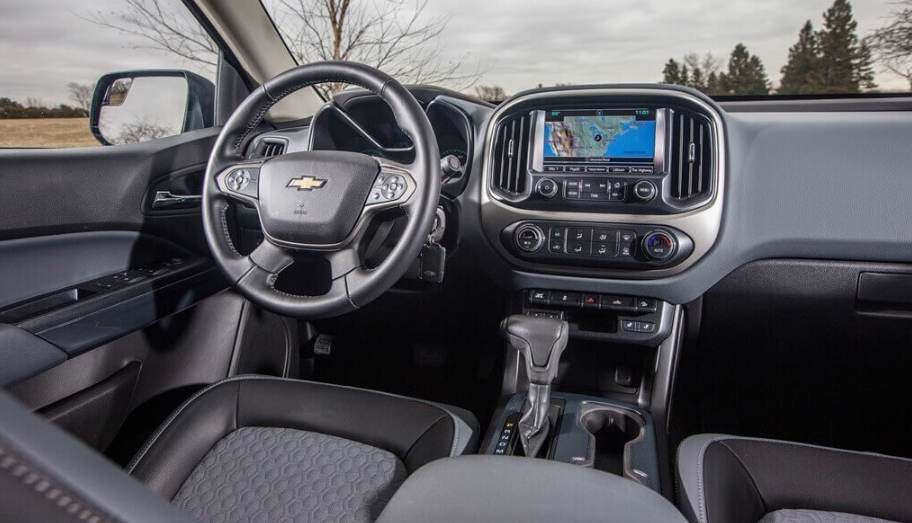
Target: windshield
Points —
{"points": [[724, 48]]}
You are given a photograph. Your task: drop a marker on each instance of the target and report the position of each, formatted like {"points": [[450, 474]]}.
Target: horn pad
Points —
{"points": [[314, 198]]}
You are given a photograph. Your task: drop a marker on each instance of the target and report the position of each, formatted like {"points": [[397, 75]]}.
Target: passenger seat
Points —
{"points": [[730, 479]]}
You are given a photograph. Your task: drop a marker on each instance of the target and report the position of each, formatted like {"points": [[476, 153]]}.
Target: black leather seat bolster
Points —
{"points": [[415, 431], [739, 480]]}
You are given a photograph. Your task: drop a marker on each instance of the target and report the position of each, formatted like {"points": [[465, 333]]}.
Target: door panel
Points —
{"points": [[122, 293]]}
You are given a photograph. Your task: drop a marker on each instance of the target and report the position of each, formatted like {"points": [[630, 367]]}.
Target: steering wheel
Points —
{"points": [[320, 202]]}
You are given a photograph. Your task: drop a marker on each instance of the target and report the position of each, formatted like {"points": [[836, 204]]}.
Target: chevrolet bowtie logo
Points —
{"points": [[306, 183]]}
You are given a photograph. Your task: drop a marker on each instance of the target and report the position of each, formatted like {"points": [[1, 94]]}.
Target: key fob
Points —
{"points": [[432, 262]]}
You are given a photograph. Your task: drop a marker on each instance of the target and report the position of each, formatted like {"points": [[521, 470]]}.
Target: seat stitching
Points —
{"points": [[148, 445]]}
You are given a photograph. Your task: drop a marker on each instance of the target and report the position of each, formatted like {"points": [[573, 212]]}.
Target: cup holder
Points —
{"points": [[612, 432]]}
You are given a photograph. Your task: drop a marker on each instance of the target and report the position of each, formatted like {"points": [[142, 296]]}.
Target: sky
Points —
{"points": [[45, 44]]}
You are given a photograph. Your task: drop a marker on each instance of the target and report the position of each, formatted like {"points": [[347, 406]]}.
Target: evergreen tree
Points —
{"points": [[746, 74], [671, 74], [801, 74], [845, 64]]}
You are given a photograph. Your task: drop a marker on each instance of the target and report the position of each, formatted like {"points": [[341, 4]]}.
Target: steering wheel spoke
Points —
{"points": [[270, 257], [343, 261]]}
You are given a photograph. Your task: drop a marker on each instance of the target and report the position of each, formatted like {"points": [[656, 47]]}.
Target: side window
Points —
{"points": [[149, 64]]}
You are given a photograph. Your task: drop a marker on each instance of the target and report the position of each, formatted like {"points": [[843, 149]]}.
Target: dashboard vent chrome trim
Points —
{"points": [[691, 156], [512, 144]]}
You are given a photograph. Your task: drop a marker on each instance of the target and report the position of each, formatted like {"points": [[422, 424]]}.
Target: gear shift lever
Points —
{"points": [[541, 342]]}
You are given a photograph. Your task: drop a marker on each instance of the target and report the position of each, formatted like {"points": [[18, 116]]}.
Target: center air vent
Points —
{"points": [[511, 155], [268, 147], [691, 156]]}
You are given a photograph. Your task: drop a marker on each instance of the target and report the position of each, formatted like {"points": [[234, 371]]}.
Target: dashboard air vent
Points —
{"points": [[691, 156], [511, 154], [268, 147]]}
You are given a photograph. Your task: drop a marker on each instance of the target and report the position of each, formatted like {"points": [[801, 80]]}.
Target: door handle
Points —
{"points": [[165, 199]]}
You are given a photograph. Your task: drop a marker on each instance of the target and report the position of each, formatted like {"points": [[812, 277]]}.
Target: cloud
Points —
{"points": [[45, 44]]}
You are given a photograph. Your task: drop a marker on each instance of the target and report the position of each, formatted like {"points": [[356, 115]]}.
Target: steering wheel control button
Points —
{"points": [[547, 188], [529, 238], [388, 188], [242, 181], [644, 190], [658, 245]]}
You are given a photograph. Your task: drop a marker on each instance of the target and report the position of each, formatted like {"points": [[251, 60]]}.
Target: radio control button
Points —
{"points": [[572, 194], [618, 169], [547, 188], [644, 190], [575, 169], [554, 168], [572, 184], [596, 169], [595, 196]]}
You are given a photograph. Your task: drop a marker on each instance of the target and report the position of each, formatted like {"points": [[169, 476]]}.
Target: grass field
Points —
{"points": [[46, 132]]}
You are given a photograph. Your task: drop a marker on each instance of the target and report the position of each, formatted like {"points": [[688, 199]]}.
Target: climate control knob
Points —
{"points": [[546, 188], [659, 245], [529, 238]]}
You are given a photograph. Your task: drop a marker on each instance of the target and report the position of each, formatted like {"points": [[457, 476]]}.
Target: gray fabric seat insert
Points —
{"points": [[817, 516], [286, 475]]}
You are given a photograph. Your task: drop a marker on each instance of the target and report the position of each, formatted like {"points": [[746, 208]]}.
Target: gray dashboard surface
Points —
{"points": [[822, 185]]}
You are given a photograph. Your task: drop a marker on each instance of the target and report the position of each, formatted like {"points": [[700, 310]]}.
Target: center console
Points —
{"points": [[598, 182]]}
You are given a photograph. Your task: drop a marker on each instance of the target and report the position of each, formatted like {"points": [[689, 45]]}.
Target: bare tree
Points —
{"points": [[892, 43], [163, 25], [392, 35], [395, 36], [81, 94], [142, 130], [490, 93]]}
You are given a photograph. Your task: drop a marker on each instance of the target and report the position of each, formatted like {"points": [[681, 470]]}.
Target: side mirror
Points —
{"points": [[136, 106]]}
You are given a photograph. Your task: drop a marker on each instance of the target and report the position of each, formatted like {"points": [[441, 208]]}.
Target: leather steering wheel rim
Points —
{"points": [[232, 177]]}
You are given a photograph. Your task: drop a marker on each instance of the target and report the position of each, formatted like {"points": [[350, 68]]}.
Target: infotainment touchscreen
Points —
{"points": [[597, 136]]}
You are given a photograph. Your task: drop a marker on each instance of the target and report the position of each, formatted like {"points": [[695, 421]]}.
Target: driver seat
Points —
{"points": [[256, 448]]}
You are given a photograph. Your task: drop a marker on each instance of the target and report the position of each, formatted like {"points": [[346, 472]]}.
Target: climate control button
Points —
{"points": [[659, 245]]}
